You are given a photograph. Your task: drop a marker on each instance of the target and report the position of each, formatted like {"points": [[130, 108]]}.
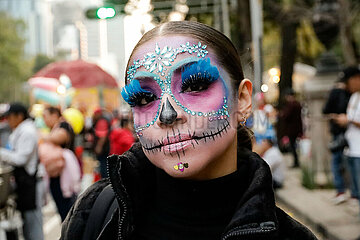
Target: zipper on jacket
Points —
{"points": [[123, 204], [265, 227]]}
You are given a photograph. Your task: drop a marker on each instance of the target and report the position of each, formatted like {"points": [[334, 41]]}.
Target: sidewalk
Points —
{"points": [[315, 209]]}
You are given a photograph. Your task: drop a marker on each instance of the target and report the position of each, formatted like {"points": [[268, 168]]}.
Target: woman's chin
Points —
{"points": [[185, 164]]}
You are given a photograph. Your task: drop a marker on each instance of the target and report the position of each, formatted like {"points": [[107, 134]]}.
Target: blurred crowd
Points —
{"points": [[279, 129], [49, 152], [53, 157]]}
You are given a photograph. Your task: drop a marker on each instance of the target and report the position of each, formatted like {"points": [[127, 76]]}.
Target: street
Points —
{"points": [[52, 221]]}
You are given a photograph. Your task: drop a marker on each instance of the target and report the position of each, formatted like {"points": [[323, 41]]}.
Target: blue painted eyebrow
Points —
{"points": [[144, 74], [183, 62]]}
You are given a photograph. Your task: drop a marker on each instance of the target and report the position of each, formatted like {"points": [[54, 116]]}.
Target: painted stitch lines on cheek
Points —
{"points": [[177, 141]]}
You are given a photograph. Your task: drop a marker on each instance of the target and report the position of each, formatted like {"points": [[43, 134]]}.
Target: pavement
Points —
{"points": [[51, 221], [315, 209]]}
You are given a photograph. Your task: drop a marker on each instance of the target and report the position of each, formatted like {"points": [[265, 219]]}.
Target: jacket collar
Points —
{"points": [[133, 179]]}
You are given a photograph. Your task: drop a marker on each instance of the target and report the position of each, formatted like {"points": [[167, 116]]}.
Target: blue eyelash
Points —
{"points": [[202, 67], [129, 92]]}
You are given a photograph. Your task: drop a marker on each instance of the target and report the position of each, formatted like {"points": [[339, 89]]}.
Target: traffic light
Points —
{"points": [[105, 12], [100, 13]]}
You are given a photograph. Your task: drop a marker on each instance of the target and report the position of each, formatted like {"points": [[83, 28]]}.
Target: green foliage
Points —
{"points": [[41, 61], [271, 45], [115, 2], [14, 69], [308, 47], [308, 178]]}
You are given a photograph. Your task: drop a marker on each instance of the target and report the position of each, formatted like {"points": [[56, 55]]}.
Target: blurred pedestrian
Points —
{"points": [[274, 158], [121, 139], [261, 124], [61, 135], [5, 129], [21, 153], [291, 119], [336, 104], [192, 175], [101, 130], [352, 121]]}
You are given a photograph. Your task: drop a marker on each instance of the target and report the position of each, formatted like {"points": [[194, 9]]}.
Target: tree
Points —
{"points": [[348, 14], [240, 32], [40, 62], [287, 14], [13, 67]]}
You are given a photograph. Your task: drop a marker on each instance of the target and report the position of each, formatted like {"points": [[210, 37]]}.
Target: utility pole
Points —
{"points": [[103, 40], [216, 11], [225, 18], [257, 34]]}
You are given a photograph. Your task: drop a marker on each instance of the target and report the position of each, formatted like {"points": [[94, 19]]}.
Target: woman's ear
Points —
{"points": [[244, 100]]}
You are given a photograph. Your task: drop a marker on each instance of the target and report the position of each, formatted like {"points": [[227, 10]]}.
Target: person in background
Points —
{"points": [[336, 104], [262, 126], [274, 158], [290, 116], [351, 120], [5, 129], [101, 130], [21, 153], [62, 135], [121, 139]]}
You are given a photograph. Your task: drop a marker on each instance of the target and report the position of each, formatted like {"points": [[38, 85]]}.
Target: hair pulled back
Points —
{"points": [[222, 46]]}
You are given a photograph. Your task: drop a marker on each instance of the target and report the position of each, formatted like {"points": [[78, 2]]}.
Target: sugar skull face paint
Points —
{"points": [[195, 79], [179, 96]]}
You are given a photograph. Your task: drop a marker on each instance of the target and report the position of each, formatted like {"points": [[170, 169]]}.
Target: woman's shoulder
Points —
{"points": [[289, 228], [65, 125], [74, 225]]}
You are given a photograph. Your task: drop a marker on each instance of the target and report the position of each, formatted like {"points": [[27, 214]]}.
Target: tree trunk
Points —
{"points": [[288, 54], [346, 36], [244, 25], [242, 35]]}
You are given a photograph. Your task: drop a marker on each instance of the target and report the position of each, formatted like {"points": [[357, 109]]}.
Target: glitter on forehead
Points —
{"points": [[160, 59]]}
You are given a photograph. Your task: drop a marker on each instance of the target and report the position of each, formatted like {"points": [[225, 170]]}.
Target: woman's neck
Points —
{"points": [[224, 165], [208, 202]]}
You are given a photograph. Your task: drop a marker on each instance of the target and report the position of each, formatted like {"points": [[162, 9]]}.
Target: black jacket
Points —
{"points": [[132, 178], [336, 103]]}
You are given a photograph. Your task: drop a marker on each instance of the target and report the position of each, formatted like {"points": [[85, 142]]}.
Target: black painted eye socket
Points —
{"points": [[142, 99]]}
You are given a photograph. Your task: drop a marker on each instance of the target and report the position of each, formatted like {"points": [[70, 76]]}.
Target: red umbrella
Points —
{"points": [[82, 74]]}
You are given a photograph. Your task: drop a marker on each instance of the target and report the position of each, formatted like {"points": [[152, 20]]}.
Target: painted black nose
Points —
{"points": [[168, 114]]}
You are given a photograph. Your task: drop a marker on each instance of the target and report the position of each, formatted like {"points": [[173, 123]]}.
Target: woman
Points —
{"points": [[62, 135], [192, 175]]}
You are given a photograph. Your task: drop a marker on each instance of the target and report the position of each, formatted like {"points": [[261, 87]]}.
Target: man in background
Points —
{"points": [[101, 131], [21, 153], [336, 104], [351, 120], [292, 122]]}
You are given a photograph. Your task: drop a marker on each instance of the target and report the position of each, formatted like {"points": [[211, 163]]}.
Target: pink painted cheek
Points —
{"points": [[204, 101], [145, 114]]}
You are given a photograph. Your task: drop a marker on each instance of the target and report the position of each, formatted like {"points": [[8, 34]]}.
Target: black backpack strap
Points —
{"points": [[104, 206]]}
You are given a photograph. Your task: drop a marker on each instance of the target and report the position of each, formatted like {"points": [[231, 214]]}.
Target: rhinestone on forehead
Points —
{"points": [[160, 59]]}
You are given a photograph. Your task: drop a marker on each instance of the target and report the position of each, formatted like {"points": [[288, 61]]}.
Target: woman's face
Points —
{"points": [[182, 102], [50, 119]]}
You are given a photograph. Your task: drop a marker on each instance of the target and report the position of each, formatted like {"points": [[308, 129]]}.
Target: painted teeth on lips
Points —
{"points": [[176, 139]]}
